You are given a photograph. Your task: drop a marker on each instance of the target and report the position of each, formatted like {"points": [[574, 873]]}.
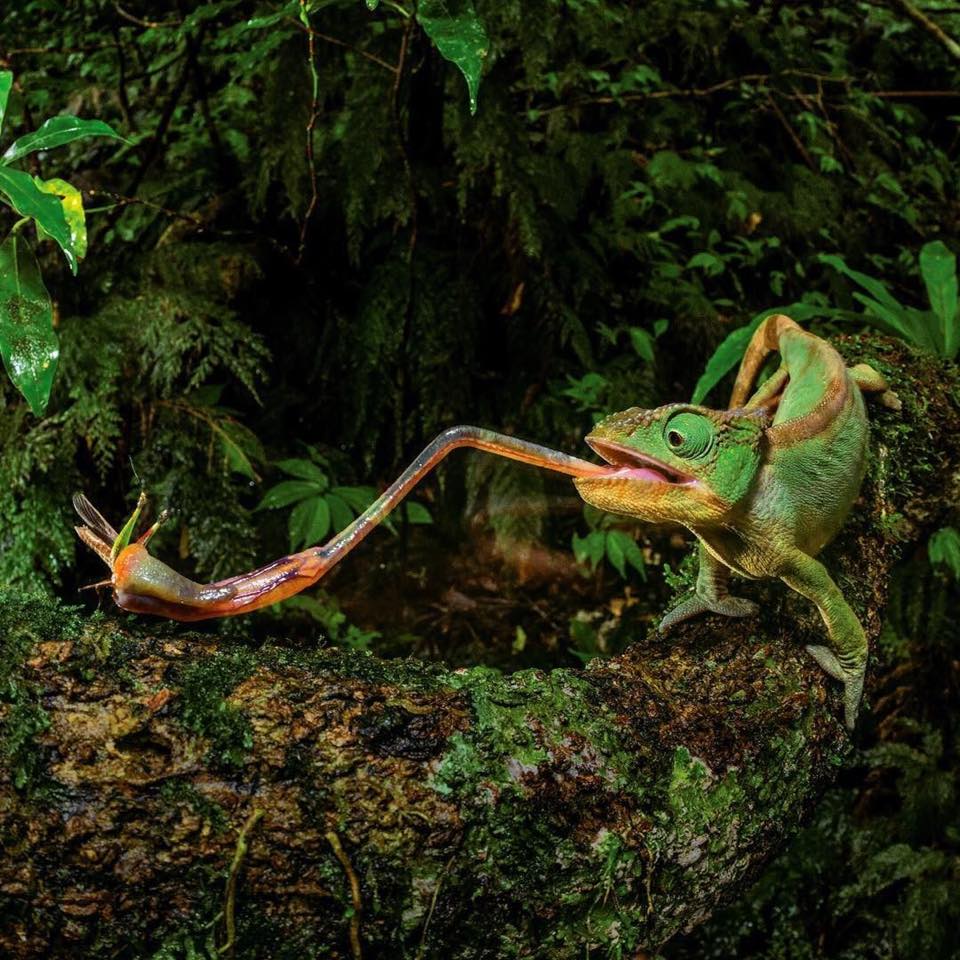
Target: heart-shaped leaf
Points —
{"points": [[28, 343], [459, 35]]}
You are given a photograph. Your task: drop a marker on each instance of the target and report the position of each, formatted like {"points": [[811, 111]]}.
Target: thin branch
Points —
{"points": [[121, 201], [146, 24], [797, 142], [230, 895], [934, 29], [355, 897], [311, 125], [373, 58]]}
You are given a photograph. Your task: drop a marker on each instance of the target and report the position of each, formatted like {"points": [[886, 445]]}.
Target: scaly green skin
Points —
{"points": [[764, 486]]}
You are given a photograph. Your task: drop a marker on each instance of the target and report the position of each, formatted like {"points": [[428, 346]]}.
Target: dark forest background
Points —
{"points": [[309, 257]]}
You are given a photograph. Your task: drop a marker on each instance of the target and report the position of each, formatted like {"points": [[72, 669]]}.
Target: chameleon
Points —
{"points": [[763, 486]]}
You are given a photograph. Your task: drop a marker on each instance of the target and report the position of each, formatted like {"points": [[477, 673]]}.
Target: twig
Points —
{"points": [[146, 24], [930, 26], [122, 97], [337, 42], [797, 142], [357, 902], [311, 124], [433, 905], [122, 201], [230, 897]]}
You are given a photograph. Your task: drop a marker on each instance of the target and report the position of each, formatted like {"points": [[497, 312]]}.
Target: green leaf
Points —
{"points": [[309, 522], [373, 4], [55, 133], [359, 498], [287, 492], [621, 550], [6, 82], [711, 264], [944, 550], [240, 447], [418, 513], [731, 350], [938, 267], [28, 343], [29, 200], [71, 201], [873, 286], [590, 549], [459, 35], [340, 514], [305, 470], [642, 344]]}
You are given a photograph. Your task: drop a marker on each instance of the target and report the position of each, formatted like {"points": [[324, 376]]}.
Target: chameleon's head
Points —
{"points": [[679, 463]]}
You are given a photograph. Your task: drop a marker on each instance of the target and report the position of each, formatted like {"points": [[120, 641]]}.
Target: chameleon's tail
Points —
{"points": [[765, 340]]}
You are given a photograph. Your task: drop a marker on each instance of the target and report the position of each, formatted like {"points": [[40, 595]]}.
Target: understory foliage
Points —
{"points": [[638, 181]]}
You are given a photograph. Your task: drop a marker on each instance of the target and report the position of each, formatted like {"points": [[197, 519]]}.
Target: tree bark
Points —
{"points": [[169, 794]]}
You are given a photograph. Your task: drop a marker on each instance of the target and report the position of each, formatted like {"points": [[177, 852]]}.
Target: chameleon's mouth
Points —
{"points": [[629, 464]]}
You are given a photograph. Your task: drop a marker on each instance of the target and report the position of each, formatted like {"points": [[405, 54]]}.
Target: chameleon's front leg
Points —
{"points": [[847, 660], [711, 595]]}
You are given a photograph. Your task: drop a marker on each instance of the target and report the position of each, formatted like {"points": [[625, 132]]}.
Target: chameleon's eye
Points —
{"points": [[690, 435]]}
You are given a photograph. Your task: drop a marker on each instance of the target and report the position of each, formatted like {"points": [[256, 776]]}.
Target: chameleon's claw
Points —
{"points": [[852, 680], [727, 607]]}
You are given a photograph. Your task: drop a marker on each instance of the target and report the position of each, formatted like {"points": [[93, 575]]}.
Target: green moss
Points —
{"points": [[204, 709], [182, 793]]}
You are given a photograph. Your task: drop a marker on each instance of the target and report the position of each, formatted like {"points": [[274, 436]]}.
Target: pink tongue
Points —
{"points": [[639, 473]]}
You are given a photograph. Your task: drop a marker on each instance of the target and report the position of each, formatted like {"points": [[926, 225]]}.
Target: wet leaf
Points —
{"points": [[26, 197], [6, 82], [309, 522], [459, 35], [72, 202], [287, 492], [55, 133], [28, 343]]}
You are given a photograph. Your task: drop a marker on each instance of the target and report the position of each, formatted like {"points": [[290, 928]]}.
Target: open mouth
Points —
{"points": [[629, 464]]}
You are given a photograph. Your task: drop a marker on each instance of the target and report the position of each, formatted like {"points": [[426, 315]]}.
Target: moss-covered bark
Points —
{"points": [[409, 811]]}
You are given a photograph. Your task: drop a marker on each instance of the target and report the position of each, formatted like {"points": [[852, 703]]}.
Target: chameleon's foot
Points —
{"points": [[852, 680], [727, 607]]}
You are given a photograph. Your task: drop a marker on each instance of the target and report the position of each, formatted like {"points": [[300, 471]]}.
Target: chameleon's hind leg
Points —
{"points": [[870, 381], [711, 595], [846, 657]]}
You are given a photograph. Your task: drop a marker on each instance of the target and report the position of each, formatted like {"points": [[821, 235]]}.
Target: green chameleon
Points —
{"points": [[763, 486]]}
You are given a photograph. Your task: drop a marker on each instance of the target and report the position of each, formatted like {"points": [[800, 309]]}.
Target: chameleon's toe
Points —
{"points": [[727, 607], [852, 679]]}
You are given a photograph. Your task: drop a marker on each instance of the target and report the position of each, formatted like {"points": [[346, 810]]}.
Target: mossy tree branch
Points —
{"points": [[410, 811]]}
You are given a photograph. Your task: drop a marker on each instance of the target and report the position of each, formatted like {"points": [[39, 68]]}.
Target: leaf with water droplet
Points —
{"points": [[28, 344], [459, 35], [373, 4]]}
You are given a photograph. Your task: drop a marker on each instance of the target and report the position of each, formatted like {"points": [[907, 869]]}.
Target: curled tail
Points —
{"points": [[765, 340]]}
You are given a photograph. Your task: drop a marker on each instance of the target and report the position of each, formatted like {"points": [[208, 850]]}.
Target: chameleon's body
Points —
{"points": [[764, 486]]}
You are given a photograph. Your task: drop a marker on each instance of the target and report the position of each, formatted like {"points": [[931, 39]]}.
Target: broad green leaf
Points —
{"points": [[621, 550], [72, 202], [29, 200], [459, 35], [55, 133], [418, 513], [309, 522], [873, 286], [373, 4], [938, 267], [642, 344], [304, 470], [240, 446], [28, 342], [944, 550], [711, 264], [359, 498], [287, 492], [590, 549], [6, 82], [731, 350], [341, 515]]}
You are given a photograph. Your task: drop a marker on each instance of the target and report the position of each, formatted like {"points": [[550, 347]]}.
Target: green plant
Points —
{"points": [[321, 507], [937, 329], [28, 342], [944, 550], [606, 541]]}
